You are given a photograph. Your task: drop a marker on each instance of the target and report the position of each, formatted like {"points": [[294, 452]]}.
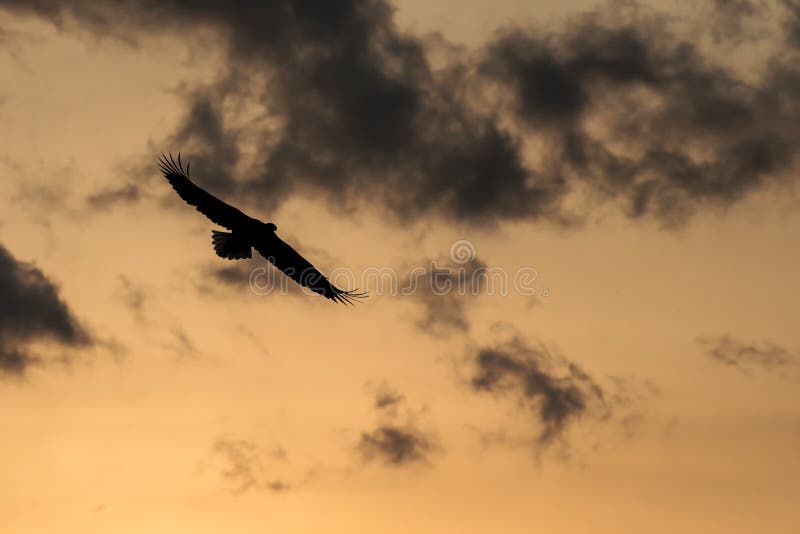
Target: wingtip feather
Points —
{"points": [[169, 165], [350, 298]]}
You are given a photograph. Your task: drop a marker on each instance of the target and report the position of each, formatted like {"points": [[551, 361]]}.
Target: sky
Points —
{"points": [[577, 222]]}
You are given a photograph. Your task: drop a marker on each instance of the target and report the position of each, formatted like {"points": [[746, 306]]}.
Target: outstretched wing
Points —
{"points": [[299, 269], [206, 203]]}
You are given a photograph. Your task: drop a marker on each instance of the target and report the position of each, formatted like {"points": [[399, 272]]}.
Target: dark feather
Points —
{"points": [[299, 269], [230, 246]]}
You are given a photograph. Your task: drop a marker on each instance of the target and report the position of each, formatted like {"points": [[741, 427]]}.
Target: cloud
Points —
{"points": [[153, 322], [244, 466], [791, 24], [181, 343], [355, 100], [746, 356], [443, 290], [230, 274], [50, 191], [388, 399], [255, 277], [133, 296], [44, 192], [645, 116], [242, 458], [333, 100], [555, 391], [32, 312], [392, 443], [630, 399], [106, 199]]}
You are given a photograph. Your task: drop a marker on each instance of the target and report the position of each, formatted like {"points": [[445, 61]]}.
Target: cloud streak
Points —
{"points": [[746, 356], [107, 199]]}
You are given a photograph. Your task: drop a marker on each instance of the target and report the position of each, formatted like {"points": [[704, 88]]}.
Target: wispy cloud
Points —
{"points": [[245, 466], [109, 198], [747, 356], [151, 317]]}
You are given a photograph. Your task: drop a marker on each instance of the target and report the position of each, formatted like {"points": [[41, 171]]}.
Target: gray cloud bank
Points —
{"points": [[337, 102]]}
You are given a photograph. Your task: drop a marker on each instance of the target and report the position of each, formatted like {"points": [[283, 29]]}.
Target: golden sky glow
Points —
{"points": [[134, 434]]}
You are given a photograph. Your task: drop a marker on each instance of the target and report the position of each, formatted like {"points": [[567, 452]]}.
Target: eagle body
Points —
{"points": [[246, 233]]}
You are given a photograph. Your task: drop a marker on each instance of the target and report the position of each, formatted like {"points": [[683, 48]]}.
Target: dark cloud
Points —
{"points": [[556, 391], [394, 445], [331, 100], [626, 410], [391, 442], [354, 109], [645, 116], [32, 311], [746, 356], [356, 100], [244, 466]]}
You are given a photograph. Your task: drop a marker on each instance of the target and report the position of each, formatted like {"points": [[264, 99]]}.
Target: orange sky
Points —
{"points": [[138, 431]]}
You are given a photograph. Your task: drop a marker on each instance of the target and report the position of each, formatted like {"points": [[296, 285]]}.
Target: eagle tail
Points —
{"points": [[230, 246]]}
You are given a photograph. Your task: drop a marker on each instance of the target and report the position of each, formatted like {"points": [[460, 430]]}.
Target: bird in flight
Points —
{"points": [[247, 233]]}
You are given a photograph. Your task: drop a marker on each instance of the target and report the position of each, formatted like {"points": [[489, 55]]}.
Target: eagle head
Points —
{"points": [[271, 227]]}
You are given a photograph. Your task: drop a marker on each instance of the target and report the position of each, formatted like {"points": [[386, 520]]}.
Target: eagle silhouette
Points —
{"points": [[246, 233]]}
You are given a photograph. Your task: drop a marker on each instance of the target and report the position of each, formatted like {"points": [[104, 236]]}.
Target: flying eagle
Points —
{"points": [[246, 233]]}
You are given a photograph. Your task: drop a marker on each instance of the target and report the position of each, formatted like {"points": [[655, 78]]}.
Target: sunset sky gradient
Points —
{"points": [[640, 159]]}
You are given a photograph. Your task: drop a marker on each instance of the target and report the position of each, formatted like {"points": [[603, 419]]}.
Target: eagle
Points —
{"points": [[247, 233]]}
